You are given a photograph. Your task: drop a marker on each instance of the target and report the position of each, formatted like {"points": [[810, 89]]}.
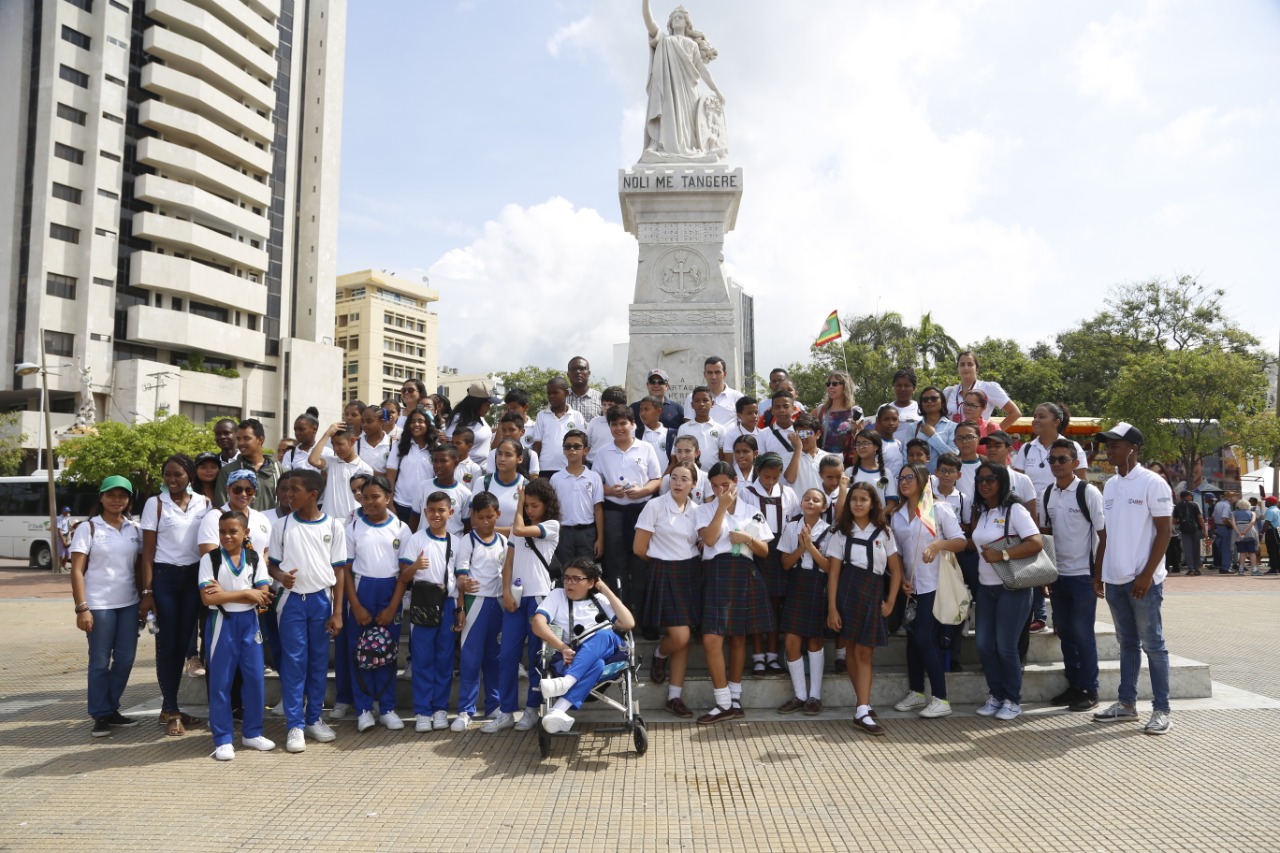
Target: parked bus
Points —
{"points": [[24, 516]]}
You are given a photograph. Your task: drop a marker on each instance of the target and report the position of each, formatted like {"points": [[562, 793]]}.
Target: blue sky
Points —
{"points": [[1000, 163]]}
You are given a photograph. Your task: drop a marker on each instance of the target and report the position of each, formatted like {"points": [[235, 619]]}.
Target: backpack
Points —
{"points": [[215, 563], [1187, 513], [376, 647], [1080, 502]]}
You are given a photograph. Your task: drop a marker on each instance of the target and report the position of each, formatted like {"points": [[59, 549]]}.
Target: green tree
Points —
{"points": [[134, 450], [532, 379], [11, 444], [1188, 402], [932, 345], [1029, 379]]}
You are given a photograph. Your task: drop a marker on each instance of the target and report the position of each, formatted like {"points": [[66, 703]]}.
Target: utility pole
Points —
{"points": [[156, 386]]}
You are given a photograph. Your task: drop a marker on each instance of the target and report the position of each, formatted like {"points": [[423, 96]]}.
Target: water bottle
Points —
{"points": [[517, 589], [153, 627], [736, 550]]}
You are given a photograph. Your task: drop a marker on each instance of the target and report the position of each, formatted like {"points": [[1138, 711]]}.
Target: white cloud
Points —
{"points": [[1203, 133], [1109, 56]]}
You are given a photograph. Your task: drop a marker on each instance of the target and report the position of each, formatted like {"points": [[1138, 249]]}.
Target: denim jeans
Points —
{"points": [[178, 608], [1074, 609], [1138, 628], [1226, 546], [113, 643], [924, 655], [1191, 550], [1002, 613]]}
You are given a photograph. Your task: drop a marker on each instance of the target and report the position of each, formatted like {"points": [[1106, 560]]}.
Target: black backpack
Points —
{"points": [[1080, 502]]}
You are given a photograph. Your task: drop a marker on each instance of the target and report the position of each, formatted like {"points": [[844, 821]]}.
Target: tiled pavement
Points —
{"points": [[1049, 781]]}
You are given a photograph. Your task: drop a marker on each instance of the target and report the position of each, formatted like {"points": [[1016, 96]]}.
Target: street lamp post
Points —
{"points": [[26, 368]]}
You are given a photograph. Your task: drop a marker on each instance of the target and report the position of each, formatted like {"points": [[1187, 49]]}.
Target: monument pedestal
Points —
{"points": [[684, 310]]}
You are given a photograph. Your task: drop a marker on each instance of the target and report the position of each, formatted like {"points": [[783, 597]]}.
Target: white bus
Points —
{"points": [[24, 516]]}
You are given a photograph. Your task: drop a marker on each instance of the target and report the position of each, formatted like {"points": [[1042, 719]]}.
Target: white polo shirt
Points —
{"points": [[908, 421], [775, 514], [744, 517], [913, 537], [673, 531], [702, 493], [442, 554], [731, 433], [506, 493], [1131, 503], [883, 547], [375, 455], [374, 549], [790, 541], [296, 458], [636, 465], [774, 439], [1033, 459], [525, 565], [724, 408], [459, 500], [997, 398], [549, 428], [708, 435], [555, 609], [1021, 487], [233, 578], [110, 581], [339, 501], [482, 561], [177, 530], [1074, 539], [995, 524], [531, 461], [313, 548], [579, 494], [259, 528], [599, 437]]}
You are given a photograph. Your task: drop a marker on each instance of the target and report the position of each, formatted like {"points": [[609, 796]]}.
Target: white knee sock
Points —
{"points": [[796, 668], [562, 705], [722, 696], [816, 661], [674, 691], [735, 691], [841, 653]]}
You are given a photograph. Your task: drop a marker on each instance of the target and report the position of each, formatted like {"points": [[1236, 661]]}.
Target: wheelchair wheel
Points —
{"points": [[641, 736], [544, 742]]}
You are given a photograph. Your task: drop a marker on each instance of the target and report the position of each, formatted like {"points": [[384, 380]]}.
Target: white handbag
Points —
{"points": [[952, 602]]}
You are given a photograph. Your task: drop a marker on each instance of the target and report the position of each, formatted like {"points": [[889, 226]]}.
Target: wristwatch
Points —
{"points": [[1004, 555]]}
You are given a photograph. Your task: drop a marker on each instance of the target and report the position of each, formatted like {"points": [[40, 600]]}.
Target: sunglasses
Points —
{"points": [[574, 446], [1060, 460], [575, 579], [931, 399], [241, 490], [657, 380], [805, 433], [986, 478], [834, 383], [404, 391]]}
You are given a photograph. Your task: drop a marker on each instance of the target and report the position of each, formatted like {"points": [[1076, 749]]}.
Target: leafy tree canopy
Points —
{"points": [[135, 451]]}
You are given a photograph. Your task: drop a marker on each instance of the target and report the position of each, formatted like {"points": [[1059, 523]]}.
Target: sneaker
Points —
{"points": [[557, 722], [195, 668], [1038, 626], [1009, 710], [1086, 701], [461, 723], [340, 711], [120, 721], [1118, 712], [294, 741], [101, 728], [259, 743], [1066, 697], [990, 707], [795, 703], [440, 720], [422, 723], [502, 720], [391, 720], [527, 720], [278, 710], [364, 722], [405, 674], [320, 731], [812, 707], [936, 708], [226, 752], [1159, 724], [553, 687], [911, 701]]}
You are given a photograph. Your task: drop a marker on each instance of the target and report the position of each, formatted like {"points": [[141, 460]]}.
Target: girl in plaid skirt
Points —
{"points": [[804, 615], [735, 599], [859, 554], [776, 502]]}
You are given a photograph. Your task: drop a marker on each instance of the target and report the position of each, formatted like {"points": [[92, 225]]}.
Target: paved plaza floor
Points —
{"points": [[1047, 781]]}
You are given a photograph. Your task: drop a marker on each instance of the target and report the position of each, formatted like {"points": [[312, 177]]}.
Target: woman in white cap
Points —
{"points": [[470, 413]]}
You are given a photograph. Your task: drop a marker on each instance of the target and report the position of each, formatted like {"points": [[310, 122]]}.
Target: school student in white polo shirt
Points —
{"points": [[308, 550], [1129, 570], [551, 425], [1073, 513], [339, 468], [631, 475], [703, 427], [374, 445], [581, 494]]}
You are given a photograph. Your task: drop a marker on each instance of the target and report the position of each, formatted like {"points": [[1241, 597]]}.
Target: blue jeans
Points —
{"points": [[1074, 609], [1138, 628], [588, 664], [178, 609], [1226, 546], [515, 632], [1191, 550], [113, 643], [1002, 614], [924, 655]]}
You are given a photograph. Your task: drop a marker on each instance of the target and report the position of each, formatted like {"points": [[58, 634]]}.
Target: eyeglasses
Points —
{"points": [[864, 444], [1060, 460], [241, 490], [966, 438], [969, 405], [986, 478], [833, 383], [574, 446], [805, 433], [932, 398], [906, 478], [575, 579]]}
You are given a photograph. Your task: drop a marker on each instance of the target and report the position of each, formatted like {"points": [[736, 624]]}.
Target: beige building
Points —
{"points": [[387, 334], [169, 170]]}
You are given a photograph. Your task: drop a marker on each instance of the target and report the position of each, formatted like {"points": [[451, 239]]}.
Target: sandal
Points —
{"points": [[175, 727]]}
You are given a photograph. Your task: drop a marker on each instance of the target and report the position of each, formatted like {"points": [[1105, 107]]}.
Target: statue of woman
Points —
{"points": [[681, 124]]}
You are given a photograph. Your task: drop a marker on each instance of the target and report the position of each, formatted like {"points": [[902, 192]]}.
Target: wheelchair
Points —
{"points": [[622, 669]]}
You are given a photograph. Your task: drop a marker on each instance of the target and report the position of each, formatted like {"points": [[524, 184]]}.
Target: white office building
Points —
{"points": [[168, 207]]}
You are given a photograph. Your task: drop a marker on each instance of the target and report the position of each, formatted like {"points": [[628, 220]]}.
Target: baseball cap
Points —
{"points": [[1122, 431], [1271, 501], [1000, 436], [483, 391], [659, 372], [66, 509], [115, 481]]}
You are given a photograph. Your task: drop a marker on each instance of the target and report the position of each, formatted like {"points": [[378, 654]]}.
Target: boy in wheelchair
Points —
{"points": [[580, 624]]}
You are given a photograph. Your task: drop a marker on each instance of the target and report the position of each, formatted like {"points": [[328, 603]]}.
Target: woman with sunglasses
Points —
{"points": [[935, 426], [1002, 612], [838, 415], [242, 487], [994, 396], [412, 392]]}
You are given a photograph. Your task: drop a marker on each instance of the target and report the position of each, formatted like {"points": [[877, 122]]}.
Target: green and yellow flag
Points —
{"points": [[830, 330]]}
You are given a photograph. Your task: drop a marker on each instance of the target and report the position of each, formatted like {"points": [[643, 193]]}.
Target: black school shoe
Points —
{"points": [[120, 721]]}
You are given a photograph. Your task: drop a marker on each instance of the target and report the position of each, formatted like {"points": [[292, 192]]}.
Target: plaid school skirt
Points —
{"points": [[775, 579], [735, 601], [859, 596], [674, 594], [804, 613]]}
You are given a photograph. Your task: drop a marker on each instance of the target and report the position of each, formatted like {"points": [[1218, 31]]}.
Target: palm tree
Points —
{"points": [[932, 343]]}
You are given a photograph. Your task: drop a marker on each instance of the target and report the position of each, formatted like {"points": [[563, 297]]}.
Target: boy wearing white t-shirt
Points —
{"points": [[581, 494], [307, 551], [551, 425], [748, 410], [345, 463], [703, 428]]}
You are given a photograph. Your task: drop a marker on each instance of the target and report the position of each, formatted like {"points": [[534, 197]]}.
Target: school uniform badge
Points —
{"points": [[395, 543]]}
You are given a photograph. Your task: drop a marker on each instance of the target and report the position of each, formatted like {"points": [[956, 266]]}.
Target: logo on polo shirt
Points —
{"points": [[328, 538], [1136, 502], [395, 543]]}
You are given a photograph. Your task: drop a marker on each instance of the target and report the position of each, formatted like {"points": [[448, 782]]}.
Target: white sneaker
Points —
{"points": [[278, 710], [321, 732], [461, 723], [1159, 724], [364, 722], [528, 719], [340, 711], [503, 720], [556, 722], [391, 720], [422, 723], [259, 743], [911, 701], [294, 741], [1008, 711], [226, 752], [990, 707], [936, 708], [553, 687], [440, 720], [405, 674], [524, 673]]}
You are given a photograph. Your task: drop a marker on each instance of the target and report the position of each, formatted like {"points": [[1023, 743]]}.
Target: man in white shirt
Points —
{"points": [[1129, 571], [723, 397]]}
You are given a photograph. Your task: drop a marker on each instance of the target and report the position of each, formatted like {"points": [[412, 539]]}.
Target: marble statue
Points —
{"points": [[682, 123], [88, 411]]}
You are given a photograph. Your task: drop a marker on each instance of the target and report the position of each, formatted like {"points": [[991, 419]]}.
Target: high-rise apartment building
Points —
{"points": [[387, 334], [168, 206]]}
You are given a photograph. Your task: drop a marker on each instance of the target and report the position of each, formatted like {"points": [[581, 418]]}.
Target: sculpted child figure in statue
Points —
{"points": [[682, 124]]}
